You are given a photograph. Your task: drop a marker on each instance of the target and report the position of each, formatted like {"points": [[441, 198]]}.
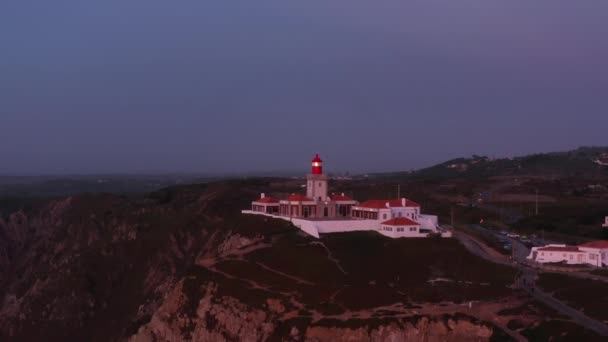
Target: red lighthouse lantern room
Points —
{"points": [[317, 166]]}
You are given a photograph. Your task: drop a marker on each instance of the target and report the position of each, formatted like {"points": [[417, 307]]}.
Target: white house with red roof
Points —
{"points": [[597, 252], [386, 209], [593, 253], [401, 227], [318, 213], [265, 204]]}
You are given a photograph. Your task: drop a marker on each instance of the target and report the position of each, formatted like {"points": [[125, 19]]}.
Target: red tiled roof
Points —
{"points": [[559, 249], [410, 203], [595, 244], [380, 203], [298, 198], [267, 200], [377, 204], [336, 197], [400, 221]]}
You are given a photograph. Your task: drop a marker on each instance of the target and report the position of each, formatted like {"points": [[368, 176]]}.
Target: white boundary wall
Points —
{"points": [[346, 226], [306, 226], [429, 222], [314, 228]]}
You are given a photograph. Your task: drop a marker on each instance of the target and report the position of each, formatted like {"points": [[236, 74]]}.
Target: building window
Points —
{"points": [[320, 184], [592, 256], [390, 229], [400, 229], [412, 229], [571, 257], [384, 216], [399, 214]]}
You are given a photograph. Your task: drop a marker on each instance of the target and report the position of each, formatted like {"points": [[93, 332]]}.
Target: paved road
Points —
{"points": [[480, 249], [519, 251], [562, 308], [527, 280]]}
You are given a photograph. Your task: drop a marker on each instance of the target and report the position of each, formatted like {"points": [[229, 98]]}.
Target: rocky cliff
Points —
{"points": [[183, 264]]}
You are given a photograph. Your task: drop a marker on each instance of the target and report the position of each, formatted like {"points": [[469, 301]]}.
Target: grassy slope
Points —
{"points": [[377, 271], [590, 296]]}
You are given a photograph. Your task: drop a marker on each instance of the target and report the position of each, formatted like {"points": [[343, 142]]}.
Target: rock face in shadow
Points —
{"points": [[183, 264]]}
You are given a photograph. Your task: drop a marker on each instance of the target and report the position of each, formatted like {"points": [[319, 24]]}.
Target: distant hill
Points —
{"points": [[587, 162]]}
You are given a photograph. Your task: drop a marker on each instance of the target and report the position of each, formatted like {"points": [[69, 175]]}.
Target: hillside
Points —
{"points": [[582, 162], [183, 264]]}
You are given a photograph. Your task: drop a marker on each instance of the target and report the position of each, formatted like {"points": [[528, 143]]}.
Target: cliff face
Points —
{"points": [[227, 319], [183, 264], [82, 266]]}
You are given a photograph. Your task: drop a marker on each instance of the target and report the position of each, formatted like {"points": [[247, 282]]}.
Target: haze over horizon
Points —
{"points": [[236, 87]]}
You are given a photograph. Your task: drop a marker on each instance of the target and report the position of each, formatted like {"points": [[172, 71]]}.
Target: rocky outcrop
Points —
{"points": [[107, 268], [223, 318], [424, 329], [215, 319]]}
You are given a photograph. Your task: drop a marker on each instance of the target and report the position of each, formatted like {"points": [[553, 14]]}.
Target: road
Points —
{"points": [[479, 248], [527, 280]]}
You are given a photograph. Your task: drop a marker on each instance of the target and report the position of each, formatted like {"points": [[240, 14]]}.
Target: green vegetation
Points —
{"points": [[558, 330], [582, 217], [555, 327], [12, 204], [533, 307], [587, 295], [367, 270], [114, 251], [600, 272], [573, 163], [373, 323], [486, 236]]}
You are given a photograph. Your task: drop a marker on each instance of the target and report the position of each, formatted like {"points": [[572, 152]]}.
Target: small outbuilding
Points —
{"points": [[401, 227], [267, 205]]}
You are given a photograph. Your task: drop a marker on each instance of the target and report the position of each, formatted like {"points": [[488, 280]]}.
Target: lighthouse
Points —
{"points": [[316, 181], [317, 166]]}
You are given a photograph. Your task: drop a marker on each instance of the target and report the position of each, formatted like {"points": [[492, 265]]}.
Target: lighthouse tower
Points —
{"points": [[316, 185]]}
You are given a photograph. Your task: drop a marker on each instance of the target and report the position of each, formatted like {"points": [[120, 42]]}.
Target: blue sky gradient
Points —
{"points": [[252, 86]]}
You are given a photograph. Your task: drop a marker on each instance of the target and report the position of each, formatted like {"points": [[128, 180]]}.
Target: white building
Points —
{"points": [[318, 213], [401, 227], [558, 253], [593, 253], [386, 209], [597, 252]]}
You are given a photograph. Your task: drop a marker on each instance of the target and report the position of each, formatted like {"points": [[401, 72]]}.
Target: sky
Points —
{"points": [[240, 86]]}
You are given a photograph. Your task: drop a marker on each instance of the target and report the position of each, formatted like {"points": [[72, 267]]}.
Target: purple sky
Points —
{"points": [[238, 86]]}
